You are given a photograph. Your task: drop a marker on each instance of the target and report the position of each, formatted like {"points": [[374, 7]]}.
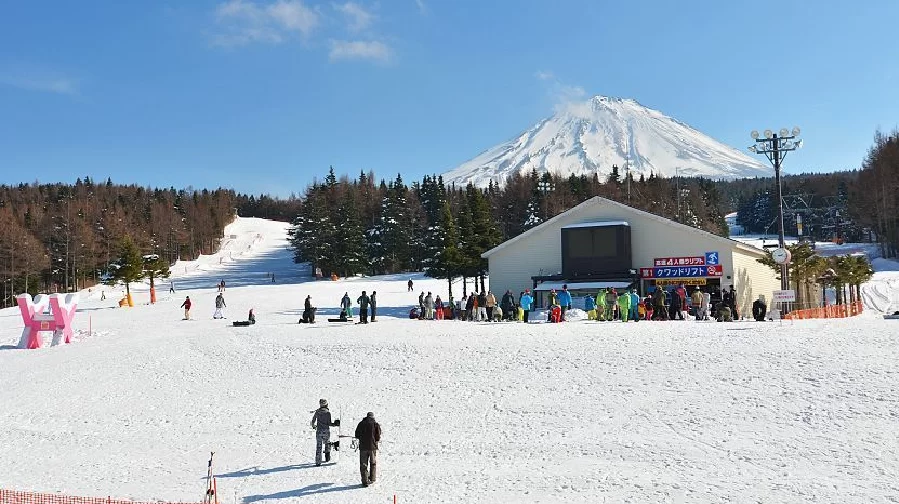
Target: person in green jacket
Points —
{"points": [[601, 305], [624, 306]]}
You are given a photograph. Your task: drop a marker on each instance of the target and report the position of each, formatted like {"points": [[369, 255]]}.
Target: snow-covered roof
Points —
{"points": [[599, 200], [545, 286], [596, 224]]}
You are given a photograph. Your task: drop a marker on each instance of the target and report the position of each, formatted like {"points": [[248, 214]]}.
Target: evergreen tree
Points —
{"points": [[128, 267], [395, 228], [448, 263], [349, 240], [155, 267]]}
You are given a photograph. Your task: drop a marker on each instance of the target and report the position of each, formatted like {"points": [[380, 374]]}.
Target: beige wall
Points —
{"points": [[752, 279], [513, 266]]}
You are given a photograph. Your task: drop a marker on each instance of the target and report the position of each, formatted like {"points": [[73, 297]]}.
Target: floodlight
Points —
{"points": [[769, 134], [799, 144], [795, 130], [752, 148], [754, 135], [784, 132]]}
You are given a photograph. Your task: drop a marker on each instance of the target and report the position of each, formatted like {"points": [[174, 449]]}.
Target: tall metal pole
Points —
{"points": [[784, 269]]}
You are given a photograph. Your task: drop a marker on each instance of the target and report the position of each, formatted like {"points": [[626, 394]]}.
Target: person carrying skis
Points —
{"points": [[363, 303], [368, 432], [322, 423], [373, 304], [345, 304], [526, 303], [219, 305], [564, 301], [186, 305], [624, 306]]}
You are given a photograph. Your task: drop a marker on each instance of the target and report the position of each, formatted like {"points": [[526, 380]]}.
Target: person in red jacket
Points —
{"points": [[186, 305]]}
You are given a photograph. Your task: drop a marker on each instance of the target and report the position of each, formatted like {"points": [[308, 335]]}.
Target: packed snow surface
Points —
{"points": [[589, 137], [578, 412]]}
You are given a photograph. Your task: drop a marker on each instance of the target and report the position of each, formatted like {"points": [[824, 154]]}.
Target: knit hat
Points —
{"points": [[370, 415], [323, 403]]}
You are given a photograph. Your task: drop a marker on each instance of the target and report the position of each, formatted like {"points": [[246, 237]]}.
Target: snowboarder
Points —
{"points": [[363, 303], [308, 311], [345, 304], [186, 305], [564, 301], [759, 309], [409, 284], [374, 304], [368, 432], [219, 305], [322, 423], [526, 302]]}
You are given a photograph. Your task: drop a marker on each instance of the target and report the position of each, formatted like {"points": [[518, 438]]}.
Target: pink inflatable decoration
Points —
{"points": [[58, 321]]}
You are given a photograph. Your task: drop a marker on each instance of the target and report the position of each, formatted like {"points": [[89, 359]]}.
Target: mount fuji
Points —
{"points": [[589, 137]]}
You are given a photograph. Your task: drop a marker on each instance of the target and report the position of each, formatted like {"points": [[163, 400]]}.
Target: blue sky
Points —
{"points": [[264, 95]]}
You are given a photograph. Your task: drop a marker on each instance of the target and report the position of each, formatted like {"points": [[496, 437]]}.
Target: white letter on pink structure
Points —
{"points": [[59, 321]]}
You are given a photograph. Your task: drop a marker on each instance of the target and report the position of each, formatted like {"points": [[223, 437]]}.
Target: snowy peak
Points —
{"points": [[589, 137]]}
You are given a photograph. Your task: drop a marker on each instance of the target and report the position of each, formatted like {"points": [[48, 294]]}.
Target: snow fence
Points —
{"points": [[16, 497], [833, 311]]}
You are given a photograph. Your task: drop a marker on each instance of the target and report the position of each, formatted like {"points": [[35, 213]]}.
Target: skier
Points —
{"points": [[219, 304], [759, 309], [368, 432], [345, 304], [322, 423], [363, 303], [409, 284], [526, 302], [564, 300], [624, 306], [186, 305], [374, 304]]}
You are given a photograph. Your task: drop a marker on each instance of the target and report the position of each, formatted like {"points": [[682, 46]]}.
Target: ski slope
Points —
{"points": [[580, 412]]}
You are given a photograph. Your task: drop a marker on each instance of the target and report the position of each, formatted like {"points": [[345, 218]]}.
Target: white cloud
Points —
{"points": [[358, 17], [544, 75], [359, 49], [563, 95], [46, 84], [247, 21]]}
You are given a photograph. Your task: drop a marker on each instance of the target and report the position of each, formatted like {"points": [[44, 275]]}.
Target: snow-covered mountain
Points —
{"points": [[589, 137]]}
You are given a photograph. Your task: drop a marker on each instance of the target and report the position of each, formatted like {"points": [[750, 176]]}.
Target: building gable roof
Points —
{"points": [[599, 200]]}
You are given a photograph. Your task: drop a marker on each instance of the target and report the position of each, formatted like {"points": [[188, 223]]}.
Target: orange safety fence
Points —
{"points": [[833, 311], [16, 497]]}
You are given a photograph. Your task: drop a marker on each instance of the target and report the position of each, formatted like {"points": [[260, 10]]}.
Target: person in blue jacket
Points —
{"points": [[635, 301], [526, 302], [564, 300], [590, 306]]}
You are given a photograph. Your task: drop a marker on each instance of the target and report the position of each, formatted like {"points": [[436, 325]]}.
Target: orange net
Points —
{"points": [[16, 497]]}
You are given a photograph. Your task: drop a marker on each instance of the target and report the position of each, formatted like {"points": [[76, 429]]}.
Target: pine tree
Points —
{"points": [[349, 238], [448, 259], [128, 267], [395, 228], [155, 267]]}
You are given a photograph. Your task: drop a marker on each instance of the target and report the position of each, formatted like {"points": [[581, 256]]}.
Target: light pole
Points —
{"points": [[775, 147], [545, 187]]}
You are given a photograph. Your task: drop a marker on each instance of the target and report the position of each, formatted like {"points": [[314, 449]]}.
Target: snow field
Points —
{"points": [[484, 412]]}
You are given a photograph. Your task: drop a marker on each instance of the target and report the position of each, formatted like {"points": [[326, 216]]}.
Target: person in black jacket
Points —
{"points": [[374, 304], [759, 309], [368, 432], [363, 303]]}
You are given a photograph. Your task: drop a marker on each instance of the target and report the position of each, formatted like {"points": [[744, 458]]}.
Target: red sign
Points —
{"points": [[660, 262]]}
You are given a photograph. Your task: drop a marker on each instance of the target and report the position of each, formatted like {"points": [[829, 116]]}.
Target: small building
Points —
{"points": [[602, 243]]}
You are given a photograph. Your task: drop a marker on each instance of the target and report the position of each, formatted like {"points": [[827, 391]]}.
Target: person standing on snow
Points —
{"points": [[696, 303], [482, 306], [429, 307], [590, 307], [219, 305], [705, 305], [363, 303], [564, 301], [601, 305], [345, 304], [374, 304], [368, 432], [171, 287], [635, 304], [624, 306], [526, 303], [409, 284], [675, 305], [491, 305], [322, 423], [421, 305], [507, 304], [611, 304], [186, 305]]}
